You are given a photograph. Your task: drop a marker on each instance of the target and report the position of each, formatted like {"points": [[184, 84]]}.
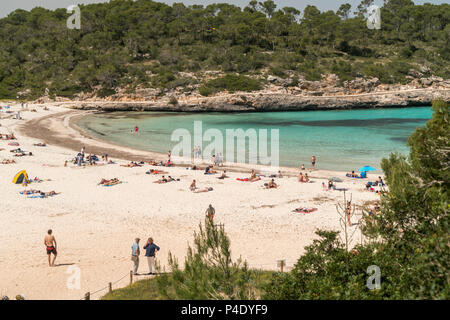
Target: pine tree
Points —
{"points": [[209, 271]]}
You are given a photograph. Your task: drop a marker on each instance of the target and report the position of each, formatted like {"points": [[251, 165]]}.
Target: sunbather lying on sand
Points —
{"points": [[23, 153], [278, 175], [206, 189], [162, 180], [304, 210], [43, 194], [13, 144], [40, 144], [132, 164], [153, 171], [271, 185], [161, 164], [194, 167], [362, 175], [352, 175], [7, 161], [7, 136], [110, 182], [28, 192]]}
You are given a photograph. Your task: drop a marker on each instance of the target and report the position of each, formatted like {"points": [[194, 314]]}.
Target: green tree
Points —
{"points": [[344, 11], [408, 240], [209, 271], [268, 7], [362, 7]]}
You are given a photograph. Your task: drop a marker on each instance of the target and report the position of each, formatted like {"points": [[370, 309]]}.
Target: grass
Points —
{"points": [[148, 289]]}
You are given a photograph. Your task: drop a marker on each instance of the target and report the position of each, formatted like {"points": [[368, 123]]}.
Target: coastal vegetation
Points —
{"points": [[130, 44], [407, 240]]}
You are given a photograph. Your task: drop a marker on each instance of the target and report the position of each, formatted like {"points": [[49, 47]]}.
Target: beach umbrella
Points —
{"points": [[366, 168], [336, 179]]}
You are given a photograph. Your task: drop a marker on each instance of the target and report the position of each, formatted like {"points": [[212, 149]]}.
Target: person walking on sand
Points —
{"points": [[50, 244], [135, 255], [210, 212], [150, 250]]}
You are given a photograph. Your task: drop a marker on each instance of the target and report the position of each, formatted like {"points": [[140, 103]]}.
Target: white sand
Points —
{"points": [[95, 226]]}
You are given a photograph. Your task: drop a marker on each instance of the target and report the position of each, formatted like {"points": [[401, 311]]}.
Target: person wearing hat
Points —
{"points": [[135, 255]]}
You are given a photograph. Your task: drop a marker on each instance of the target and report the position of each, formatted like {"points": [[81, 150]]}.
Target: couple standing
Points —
{"points": [[150, 250]]}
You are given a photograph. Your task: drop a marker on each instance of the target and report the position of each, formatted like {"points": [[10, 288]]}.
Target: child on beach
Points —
{"points": [[193, 186]]}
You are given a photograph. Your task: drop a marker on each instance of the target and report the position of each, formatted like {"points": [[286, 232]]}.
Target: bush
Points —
{"points": [[408, 239], [209, 272], [231, 83], [173, 101]]}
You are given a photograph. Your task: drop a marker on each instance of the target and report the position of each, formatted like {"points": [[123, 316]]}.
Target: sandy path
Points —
{"points": [[95, 226]]}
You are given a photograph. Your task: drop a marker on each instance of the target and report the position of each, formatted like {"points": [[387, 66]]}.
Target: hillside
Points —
{"points": [[129, 46]]}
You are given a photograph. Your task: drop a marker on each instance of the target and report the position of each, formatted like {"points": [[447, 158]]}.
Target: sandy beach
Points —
{"points": [[95, 226]]}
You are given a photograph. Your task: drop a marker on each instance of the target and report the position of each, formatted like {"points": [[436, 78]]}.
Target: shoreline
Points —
{"points": [[85, 216], [66, 130], [262, 101]]}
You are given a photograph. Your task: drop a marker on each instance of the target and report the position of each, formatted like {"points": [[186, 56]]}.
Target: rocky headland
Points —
{"points": [[278, 94]]}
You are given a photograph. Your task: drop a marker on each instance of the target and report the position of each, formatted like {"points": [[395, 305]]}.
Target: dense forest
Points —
{"points": [[144, 43]]}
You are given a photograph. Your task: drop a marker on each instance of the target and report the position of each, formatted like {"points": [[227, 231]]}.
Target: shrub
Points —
{"points": [[231, 83], [173, 101], [209, 272]]}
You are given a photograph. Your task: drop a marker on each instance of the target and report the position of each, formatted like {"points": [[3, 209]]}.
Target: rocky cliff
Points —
{"points": [[278, 95]]}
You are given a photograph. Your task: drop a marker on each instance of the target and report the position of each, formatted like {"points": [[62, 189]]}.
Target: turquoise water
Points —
{"points": [[341, 140]]}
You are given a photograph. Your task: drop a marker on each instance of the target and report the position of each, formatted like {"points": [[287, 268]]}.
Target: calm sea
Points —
{"points": [[341, 140]]}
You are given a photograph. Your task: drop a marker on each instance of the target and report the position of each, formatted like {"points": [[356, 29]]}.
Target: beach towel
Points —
{"points": [[26, 192], [110, 184], [242, 179], [41, 196]]}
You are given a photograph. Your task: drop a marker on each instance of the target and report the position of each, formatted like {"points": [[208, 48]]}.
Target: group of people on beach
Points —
{"points": [[150, 253], [7, 136]]}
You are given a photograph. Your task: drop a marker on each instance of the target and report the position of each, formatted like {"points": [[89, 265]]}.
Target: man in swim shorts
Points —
{"points": [[210, 212], [50, 243]]}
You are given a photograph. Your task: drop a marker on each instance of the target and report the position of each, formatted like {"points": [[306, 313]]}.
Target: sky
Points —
{"points": [[7, 6]]}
